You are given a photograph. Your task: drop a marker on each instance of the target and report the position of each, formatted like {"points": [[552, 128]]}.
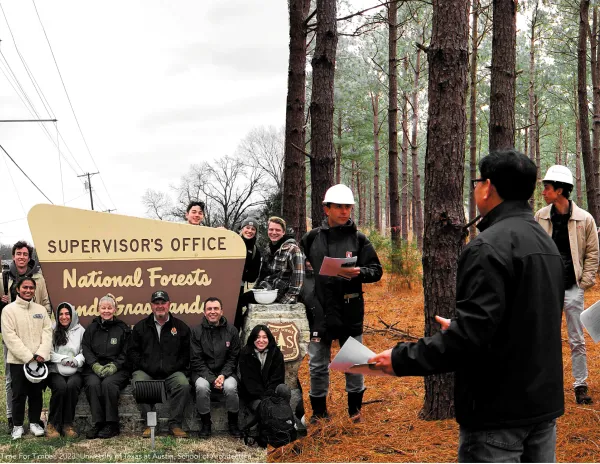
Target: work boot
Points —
{"points": [[581, 395], [51, 431], [232, 421], [110, 429], [94, 431], [355, 405], [205, 426], [178, 432], [147, 433], [319, 407], [68, 431]]}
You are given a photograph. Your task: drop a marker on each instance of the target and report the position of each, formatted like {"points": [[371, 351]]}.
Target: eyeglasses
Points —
{"points": [[474, 182]]}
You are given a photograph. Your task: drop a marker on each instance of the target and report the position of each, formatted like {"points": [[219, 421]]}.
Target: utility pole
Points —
{"points": [[89, 185]]}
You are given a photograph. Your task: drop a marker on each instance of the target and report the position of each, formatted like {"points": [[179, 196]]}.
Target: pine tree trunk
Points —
{"points": [[321, 107], [375, 107], [404, 185], [415, 154], [595, 104], [532, 131], [473, 117], [444, 176], [416, 193], [294, 172], [502, 84], [338, 159]]}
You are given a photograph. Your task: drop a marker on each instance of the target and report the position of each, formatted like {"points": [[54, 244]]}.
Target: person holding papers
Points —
{"points": [[335, 303]]}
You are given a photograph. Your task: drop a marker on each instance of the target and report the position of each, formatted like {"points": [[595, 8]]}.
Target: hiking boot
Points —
{"points": [[232, 422], [68, 431], [17, 432], [319, 407], [581, 395], [178, 432], [36, 430], [94, 431], [51, 431], [110, 429], [355, 405], [147, 433], [205, 426]]}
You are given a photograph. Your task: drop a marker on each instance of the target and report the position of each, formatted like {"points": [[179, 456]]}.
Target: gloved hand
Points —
{"points": [[98, 368], [109, 370]]}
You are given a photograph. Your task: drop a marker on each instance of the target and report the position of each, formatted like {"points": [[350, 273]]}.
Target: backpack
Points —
{"points": [[276, 422]]}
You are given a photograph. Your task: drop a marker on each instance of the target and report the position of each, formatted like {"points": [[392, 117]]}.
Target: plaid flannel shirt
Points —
{"points": [[284, 271]]}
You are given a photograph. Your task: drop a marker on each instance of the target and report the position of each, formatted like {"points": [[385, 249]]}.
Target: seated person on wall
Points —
{"points": [[282, 266], [251, 266], [106, 372], [66, 363], [262, 369], [215, 348], [27, 332], [159, 349]]}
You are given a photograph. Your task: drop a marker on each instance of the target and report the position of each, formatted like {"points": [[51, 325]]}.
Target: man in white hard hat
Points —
{"points": [[336, 304], [574, 232]]}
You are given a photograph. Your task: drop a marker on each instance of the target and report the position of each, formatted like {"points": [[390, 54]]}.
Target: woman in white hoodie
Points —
{"points": [[66, 361]]}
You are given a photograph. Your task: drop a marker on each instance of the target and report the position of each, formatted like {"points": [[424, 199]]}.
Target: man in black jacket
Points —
{"points": [[215, 349], [505, 342], [160, 350], [336, 304]]}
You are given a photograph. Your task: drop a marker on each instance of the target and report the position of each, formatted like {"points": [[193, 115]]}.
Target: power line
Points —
{"points": [[14, 185], [11, 158]]}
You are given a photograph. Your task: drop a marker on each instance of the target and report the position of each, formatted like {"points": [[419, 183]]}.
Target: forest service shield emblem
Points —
{"points": [[287, 337]]}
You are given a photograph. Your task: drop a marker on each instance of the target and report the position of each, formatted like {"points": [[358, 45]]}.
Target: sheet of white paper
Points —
{"points": [[353, 352], [590, 318], [332, 266]]}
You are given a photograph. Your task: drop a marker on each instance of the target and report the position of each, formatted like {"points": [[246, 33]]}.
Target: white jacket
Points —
{"points": [[73, 347], [26, 330]]}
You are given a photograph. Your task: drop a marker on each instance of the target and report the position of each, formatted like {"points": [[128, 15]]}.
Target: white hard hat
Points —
{"points": [[35, 371], [339, 194], [558, 173]]}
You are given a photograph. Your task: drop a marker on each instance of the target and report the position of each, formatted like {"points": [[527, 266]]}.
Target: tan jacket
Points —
{"points": [[26, 330], [583, 239], [41, 292]]}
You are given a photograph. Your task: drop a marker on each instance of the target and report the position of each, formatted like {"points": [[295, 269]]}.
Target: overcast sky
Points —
{"points": [[156, 86]]}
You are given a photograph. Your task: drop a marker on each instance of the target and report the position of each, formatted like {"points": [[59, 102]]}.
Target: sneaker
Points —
{"points": [[36, 430], [51, 431], [17, 432], [69, 431]]}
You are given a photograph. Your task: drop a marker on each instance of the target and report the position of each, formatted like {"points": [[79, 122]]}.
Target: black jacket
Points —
{"points": [[215, 350], [505, 343], [160, 358], [256, 383], [343, 317], [106, 342], [253, 258]]}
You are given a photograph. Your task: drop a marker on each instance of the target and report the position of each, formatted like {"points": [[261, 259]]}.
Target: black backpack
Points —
{"points": [[276, 422]]}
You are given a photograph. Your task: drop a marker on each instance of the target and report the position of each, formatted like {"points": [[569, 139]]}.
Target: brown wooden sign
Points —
{"points": [[86, 254], [287, 337]]}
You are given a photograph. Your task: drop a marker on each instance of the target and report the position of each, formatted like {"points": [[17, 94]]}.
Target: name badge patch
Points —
{"points": [[113, 341], [38, 316]]}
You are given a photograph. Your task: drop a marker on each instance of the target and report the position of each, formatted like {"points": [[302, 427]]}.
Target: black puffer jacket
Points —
{"points": [[253, 258], [160, 358], [343, 317], [215, 350], [106, 342], [255, 383], [505, 343]]}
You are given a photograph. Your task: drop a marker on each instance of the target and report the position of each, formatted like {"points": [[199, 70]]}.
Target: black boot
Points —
{"points": [[319, 407], [355, 405], [110, 429], [581, 395], [232, 421], [94, 431], [205, 426]]}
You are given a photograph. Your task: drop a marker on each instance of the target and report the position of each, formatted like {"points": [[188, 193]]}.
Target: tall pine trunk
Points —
{"points": [[321, 107], [415, 157], [444, 176], [377, 211], [404, 185], [473, 116]]}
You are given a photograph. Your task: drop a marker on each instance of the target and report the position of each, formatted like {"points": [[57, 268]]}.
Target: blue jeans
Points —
{"points": [[532, 443], [573, 309], [230, 391]]}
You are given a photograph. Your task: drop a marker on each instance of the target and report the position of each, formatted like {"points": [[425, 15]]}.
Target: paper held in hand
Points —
{"points": [[332, 266], [352, 358], [590, 318]]}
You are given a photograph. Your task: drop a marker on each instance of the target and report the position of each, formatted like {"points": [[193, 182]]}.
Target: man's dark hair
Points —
{"points": [[566, 188], [513, 174], [22, 244], [213, 298], [25, 279], [195, 203]]}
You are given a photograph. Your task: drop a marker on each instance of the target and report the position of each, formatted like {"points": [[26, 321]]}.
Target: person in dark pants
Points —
{"points": [[251, 266], [66, 363], [160, 350], [27, 333], [106, 372], [505, 343], [262, 369]]}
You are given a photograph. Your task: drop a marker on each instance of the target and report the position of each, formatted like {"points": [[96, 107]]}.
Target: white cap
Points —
{"points": [[558, 173], [339, 194]]}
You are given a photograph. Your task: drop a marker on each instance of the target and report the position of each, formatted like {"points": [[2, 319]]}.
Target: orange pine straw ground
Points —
{"points": [[391, 430]]}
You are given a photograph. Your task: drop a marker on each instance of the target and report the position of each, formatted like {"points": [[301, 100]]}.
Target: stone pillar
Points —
{"points": [[289, 326]]}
